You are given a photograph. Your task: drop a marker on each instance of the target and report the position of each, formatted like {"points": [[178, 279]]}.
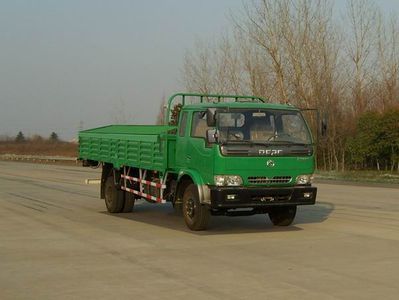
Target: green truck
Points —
{"points": [[218, 155]]}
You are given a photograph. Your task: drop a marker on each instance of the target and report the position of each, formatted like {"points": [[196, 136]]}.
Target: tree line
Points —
{"points": [[20, 138], [304, 52]]}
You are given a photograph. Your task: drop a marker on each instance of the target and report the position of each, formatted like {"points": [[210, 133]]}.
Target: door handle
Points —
{"points": [[188, 157]]}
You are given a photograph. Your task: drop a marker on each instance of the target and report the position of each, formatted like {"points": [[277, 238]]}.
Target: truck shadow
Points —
{"points": [[317, 213], [164, 216]]}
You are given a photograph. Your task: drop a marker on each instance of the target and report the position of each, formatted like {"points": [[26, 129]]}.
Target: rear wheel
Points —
{"points": [[195, 214], [114, 199], [130, 198], [282, 216]]}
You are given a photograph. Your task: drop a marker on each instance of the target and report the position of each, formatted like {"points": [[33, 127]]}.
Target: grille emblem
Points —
{"points": [[270, 163]]}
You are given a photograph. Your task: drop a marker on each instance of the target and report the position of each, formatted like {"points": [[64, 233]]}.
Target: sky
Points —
{"points": [[69, 64]]}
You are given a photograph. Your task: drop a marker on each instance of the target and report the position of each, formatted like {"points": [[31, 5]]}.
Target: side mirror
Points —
{"points": [[211, 136], [211, 117]]}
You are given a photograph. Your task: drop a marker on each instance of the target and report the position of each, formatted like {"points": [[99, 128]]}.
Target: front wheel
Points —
{"points": [[283, 215], [195, 214]]}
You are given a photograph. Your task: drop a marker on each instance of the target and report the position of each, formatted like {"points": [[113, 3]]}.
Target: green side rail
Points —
{"points": [[143, 146], [202, 97]]}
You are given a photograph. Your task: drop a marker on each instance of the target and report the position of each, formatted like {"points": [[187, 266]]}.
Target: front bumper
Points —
{"points": [[254, 197]]}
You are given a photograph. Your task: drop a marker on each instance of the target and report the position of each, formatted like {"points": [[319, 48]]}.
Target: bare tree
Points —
{"points": [[294, 51], [388, 62], [198, 70], [360, 41], [264, 26]]}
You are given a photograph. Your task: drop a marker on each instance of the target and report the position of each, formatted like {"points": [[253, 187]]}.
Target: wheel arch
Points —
{"points": [[187, 177]]}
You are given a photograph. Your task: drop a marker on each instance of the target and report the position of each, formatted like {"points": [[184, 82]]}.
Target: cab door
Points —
{"points": [[199, 153], [182, 157]]}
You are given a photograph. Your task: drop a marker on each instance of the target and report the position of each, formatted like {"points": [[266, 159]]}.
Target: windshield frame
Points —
{"points": [[278, 129]]}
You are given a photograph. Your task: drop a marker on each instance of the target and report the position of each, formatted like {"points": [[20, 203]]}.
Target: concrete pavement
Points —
{"points": [[58, 242]]}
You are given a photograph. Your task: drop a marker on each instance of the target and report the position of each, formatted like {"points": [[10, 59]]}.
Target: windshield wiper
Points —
{"points": [[235, 142], [266, 143], [247, 142], [290, 143]]}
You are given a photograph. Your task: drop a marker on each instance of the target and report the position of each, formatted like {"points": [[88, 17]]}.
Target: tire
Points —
{"points": [[178, 208], [128, 205], [283, 215], [195, 214], [114, 199]]}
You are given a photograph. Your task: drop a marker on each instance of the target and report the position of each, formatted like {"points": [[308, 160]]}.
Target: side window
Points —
{"points": [[199, 126], [183, 124]]}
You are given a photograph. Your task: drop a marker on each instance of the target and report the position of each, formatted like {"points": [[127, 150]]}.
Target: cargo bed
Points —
{"points": [[141, 146]]}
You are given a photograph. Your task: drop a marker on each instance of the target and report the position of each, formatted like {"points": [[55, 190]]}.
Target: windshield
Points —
{"points": [[262, 126]]}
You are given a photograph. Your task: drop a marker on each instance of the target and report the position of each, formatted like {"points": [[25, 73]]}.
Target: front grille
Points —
{"points": [[269, 180]]}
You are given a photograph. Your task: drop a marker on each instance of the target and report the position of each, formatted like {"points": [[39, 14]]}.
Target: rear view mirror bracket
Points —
{"points": [[212, 136], [211, 117]]}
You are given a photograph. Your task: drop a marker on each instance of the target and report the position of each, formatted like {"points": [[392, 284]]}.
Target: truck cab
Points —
{"points": [[246, 157]]}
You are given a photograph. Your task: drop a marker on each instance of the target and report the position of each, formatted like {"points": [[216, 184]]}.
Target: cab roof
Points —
{"points": [[243, 105]]}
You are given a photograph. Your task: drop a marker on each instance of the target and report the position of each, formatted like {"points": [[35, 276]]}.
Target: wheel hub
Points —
{"points": [[190, 208]]}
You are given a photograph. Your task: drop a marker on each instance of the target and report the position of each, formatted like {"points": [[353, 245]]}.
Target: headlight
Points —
{"points": [[228, 180], [304, 179]]}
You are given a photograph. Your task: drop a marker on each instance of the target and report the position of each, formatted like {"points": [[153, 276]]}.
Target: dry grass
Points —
{"points": [[39, 148]]}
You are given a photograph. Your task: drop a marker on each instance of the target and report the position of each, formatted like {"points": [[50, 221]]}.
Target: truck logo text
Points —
{"points": [[270, 152]]}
